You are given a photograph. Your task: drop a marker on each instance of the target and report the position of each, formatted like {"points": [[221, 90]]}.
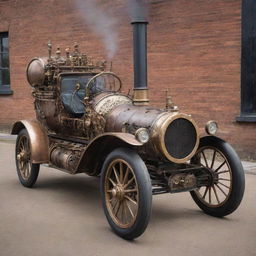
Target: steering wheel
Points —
{"points": [[90, 84]]}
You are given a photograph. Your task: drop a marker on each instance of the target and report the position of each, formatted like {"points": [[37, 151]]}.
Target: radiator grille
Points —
{"points": [[180, 138]]}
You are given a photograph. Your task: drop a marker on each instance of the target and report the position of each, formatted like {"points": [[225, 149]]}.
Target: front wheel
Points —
{"points": [[225, 191], [126, 193]]}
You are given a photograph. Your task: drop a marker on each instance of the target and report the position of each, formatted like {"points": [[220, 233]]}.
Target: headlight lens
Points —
{"points": [[142, 135], [211, 127]]}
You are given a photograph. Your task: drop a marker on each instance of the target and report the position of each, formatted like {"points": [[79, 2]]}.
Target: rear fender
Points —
{"points": [[96, 152], [39, 142]]}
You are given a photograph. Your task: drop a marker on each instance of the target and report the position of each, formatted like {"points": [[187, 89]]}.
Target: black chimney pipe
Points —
{"points": [[140, 96]]}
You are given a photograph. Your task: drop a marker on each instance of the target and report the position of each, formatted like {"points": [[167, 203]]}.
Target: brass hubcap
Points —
{"points": [[23, 157], [121, 193], [118, 192], [218, 192]]}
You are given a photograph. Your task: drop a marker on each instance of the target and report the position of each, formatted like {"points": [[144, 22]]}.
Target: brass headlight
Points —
{"points": [[142, 135]]}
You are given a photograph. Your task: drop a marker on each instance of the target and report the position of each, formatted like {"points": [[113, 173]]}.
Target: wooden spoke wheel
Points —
{"points": [[225, 191], [126, 193], [121, 192], [27, 171]]}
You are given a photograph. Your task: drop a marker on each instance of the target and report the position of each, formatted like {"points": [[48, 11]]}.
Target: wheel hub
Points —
{"points": [[22, 156], [118, 192]]}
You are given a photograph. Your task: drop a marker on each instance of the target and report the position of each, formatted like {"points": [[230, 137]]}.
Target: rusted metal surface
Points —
{"points": [[39, 142], [65, 154], [129, 118]]}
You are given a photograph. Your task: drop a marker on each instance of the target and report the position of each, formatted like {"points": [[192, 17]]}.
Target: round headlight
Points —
{"points": [[142, 135], [211, 127]]}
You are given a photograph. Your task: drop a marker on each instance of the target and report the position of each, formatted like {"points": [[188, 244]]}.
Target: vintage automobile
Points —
{"points": [[85, 124]]}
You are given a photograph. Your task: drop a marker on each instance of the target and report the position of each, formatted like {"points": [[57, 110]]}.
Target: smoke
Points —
{"points": [[137, 9], [102, 23]]}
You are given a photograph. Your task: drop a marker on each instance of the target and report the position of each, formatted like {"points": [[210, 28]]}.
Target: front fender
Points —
{"points": [[98, 149], [39, 142]]}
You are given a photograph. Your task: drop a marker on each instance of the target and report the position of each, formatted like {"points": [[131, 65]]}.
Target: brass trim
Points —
{"points": [[159, 129], [140, 97]]}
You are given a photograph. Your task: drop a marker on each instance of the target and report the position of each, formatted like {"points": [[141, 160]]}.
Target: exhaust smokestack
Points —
{"points": [[140, 90]]}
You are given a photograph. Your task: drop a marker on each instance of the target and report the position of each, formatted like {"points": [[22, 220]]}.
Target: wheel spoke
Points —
{"points": [[220, 166], [114, 204], [122, 212], [223, 172], [221, 190], [129, 182], [113, 183], [205, 159], [223, 185], [216, 195], [213, 158], [223, 179], [125, 211], [118, 208], [121, 172], [130, 199], [126, 175], [116, 175], [130, 190], [129, 208], [205, 192]]}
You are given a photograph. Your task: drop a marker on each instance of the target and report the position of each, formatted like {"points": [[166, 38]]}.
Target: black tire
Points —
{"points": [[233, 168], [143, 197], [26, 170]]}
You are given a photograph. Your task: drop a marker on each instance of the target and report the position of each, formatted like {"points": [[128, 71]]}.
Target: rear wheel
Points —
{"points": [[126, 193], [26, 170], [225, 190]]}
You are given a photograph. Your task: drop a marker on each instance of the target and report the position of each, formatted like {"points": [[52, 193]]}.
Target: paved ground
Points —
{"points": [[62, 215]]}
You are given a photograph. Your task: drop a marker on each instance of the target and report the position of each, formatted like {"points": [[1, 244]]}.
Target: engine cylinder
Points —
{"points": [[63, 158]]}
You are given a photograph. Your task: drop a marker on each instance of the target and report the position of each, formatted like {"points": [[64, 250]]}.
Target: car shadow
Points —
{"points": [[84, 191]]}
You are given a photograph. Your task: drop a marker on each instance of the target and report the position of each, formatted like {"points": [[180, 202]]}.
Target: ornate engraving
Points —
{"points": [[105, 105]]}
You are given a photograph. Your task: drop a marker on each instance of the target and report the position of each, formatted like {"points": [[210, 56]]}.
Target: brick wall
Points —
{"points": [[194, 49]]}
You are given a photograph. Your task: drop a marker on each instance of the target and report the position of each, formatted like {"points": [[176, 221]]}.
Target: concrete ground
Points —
{"points": [[62, 215]]}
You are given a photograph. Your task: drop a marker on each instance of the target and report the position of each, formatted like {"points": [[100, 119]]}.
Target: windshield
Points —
{"points": [[105, 82]]}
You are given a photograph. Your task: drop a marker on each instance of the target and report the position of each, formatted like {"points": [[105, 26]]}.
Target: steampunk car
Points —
{"points": [[85, 124]]}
